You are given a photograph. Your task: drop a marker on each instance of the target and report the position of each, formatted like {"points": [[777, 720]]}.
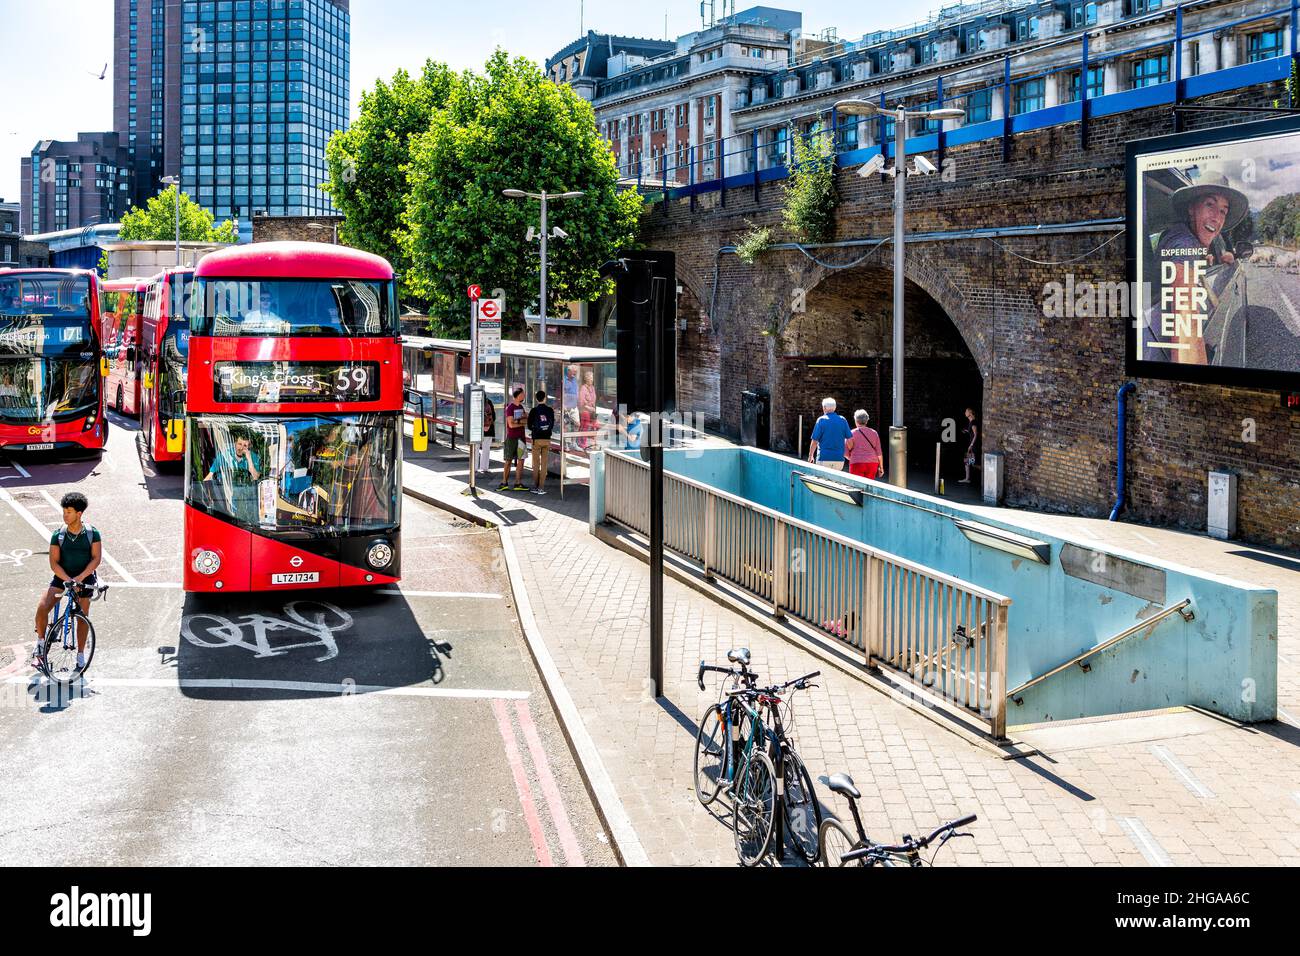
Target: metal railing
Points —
{"points": [[937, 632], [1015, 692]]}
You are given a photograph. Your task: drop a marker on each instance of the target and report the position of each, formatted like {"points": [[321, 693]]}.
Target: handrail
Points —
{"points": [[938, 576], [1122, 635]]}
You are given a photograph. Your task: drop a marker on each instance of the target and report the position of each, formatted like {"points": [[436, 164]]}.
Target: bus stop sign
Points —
{"points": [[475, 292]]}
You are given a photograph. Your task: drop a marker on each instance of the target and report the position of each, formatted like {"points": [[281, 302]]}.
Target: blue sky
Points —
{"points": [[55, 99]]}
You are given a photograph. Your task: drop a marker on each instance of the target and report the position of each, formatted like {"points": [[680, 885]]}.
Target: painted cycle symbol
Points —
{"points": [[15, 557], [317, 619]]}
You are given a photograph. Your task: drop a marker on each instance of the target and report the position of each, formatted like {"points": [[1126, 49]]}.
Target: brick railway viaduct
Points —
{"points": [[1045, 389]]}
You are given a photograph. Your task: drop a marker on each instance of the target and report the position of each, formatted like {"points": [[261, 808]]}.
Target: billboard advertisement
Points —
{"points": [[1214, 255]]}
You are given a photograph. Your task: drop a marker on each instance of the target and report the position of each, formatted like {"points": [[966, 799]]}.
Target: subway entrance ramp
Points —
{"points": [[1011, 626]]}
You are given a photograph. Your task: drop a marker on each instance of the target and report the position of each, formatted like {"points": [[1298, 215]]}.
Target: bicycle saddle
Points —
{"points": [[739, 655], [842, 784]]}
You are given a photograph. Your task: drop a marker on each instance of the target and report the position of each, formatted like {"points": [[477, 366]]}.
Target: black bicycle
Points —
{"points": [[840, 848], [58, 657], [756, 721]]}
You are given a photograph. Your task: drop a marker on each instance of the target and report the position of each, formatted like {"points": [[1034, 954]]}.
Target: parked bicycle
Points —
{"points": [[760, 752], [58, 657], [840, 848]]}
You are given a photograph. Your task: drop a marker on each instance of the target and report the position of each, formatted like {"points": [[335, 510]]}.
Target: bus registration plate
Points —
{"points": [[41, 446], [297, 577]]}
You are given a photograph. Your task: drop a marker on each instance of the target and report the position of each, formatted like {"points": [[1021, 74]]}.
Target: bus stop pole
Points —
{"points": [[473, 381]]}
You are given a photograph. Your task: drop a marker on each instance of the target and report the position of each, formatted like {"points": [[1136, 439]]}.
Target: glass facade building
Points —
{"points": [[243, 96]]}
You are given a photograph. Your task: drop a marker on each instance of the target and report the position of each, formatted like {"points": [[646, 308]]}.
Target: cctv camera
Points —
{"points": [[926, 167], [532, 234], [558, 233], [876, 164]]}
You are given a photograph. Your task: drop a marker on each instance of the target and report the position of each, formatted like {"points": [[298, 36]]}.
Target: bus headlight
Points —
{"points": [[380, 554], [207, 562]]}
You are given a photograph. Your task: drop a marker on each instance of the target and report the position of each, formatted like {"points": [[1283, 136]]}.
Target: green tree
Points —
{"points": [[156, 221], [367, 162], [810, 197], [511, 128]]}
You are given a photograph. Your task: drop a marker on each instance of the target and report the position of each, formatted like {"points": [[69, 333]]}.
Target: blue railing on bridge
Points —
{"points": [[767, 162]]}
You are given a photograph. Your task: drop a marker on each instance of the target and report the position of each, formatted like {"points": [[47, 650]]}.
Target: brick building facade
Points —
{"points": [[1045, 389]]}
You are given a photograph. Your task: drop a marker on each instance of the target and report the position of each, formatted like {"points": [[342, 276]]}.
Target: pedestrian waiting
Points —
{"points": [[515, 449], [541, 422], [829, 437]]}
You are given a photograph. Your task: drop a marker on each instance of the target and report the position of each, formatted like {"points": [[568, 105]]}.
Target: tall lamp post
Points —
{"points": [[900, 116], [176, 181], [559, 234]]}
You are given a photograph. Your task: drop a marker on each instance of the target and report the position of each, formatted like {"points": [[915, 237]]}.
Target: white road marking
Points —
{"points": [[480, 595], [341, 690], [1137, 832], [149, 554], [17, 467], [122, 572], [1288, 718], [1139, 534], [1188, 778], [22, 512], [1294, 324]]}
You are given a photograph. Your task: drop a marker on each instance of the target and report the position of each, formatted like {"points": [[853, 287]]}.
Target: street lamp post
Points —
{"points": [[544, 197], [901, 116], [321, 225], [176, 181]]}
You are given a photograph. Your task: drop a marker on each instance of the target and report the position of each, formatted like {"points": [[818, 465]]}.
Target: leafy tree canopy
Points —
{"points": [[156, 221], [367, 162], [511, 128]]}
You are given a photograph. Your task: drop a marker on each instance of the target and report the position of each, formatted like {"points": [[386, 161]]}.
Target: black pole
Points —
{"points": [[656, 488]]}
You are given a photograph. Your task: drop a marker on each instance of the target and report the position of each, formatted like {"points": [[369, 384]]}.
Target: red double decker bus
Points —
{"points": [[293, 420], [164, 351], [122, 315], [51, 394]]}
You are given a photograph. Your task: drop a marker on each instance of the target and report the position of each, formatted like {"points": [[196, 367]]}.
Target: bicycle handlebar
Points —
{"points": [[909, 845], [744, 672]]}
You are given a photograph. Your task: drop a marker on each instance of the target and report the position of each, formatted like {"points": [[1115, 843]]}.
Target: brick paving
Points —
{"points": [[1071, 807]]}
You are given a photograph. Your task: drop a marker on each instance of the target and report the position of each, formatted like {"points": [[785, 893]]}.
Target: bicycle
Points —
{"points": [[733, 719], [838, 847], [720, 722], [58, 657], [732, 732], [800, 807]]}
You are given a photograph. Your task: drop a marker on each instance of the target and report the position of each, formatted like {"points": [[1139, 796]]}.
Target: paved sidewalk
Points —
{"points": [[1182, 789]]}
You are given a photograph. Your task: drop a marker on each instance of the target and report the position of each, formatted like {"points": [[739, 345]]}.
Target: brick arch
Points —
{"points": [[931, 276]]}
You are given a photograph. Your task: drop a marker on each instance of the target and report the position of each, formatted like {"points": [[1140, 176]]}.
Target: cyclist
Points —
{"points": [[75, 553]]}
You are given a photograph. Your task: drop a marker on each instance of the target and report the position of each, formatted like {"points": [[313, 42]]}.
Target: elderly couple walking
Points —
{"points": [[833, 442]]}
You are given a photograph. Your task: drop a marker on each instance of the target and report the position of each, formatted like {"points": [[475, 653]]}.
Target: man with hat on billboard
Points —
{"points": [[1202, 213]]}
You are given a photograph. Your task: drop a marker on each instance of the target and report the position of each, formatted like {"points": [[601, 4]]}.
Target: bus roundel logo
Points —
{"points": [[296, 561], [488, 309]]}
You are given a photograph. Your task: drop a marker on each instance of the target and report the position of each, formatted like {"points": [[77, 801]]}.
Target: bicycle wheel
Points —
{"points": [[803, 812], [710, 755], [753, 816], [61, 651], [833, 841]]}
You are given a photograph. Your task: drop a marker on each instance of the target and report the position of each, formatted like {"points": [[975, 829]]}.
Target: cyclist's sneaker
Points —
{"points": [[539, 491], [81, 660], [504, 486]]}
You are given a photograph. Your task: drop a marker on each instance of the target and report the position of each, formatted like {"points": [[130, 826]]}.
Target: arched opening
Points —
{"points": [[841, 346]]}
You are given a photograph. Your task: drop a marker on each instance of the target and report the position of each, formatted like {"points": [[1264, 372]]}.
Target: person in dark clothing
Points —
{"points": [[541, 422], [972, 430], [75, 552]]}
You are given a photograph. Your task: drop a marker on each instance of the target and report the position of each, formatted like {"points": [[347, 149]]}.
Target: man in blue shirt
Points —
{"points": [[828, 437]]}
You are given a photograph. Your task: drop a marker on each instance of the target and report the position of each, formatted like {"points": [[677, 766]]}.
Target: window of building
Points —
{"points": [[1142, 6], [1263, 46], [928, 51], [1082, 14], [1096, 84], [713, 54], [1151, 70], [848, 134], [709, 107], [1029, 95]]}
